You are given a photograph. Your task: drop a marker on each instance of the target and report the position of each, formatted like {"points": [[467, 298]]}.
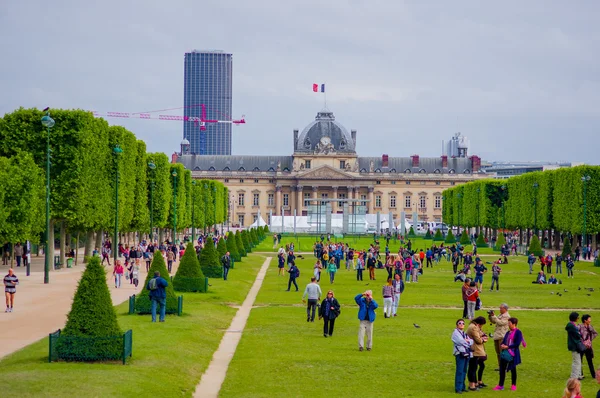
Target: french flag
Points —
{"points": [[316, 88]]}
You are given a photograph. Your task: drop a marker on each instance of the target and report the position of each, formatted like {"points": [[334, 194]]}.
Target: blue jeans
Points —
{"points": [[18, 261], [225, 272], [118, 280], [163, 306], [461, 372]]}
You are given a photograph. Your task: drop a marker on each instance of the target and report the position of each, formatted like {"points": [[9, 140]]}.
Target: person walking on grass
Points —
{"points": [[501, 322], [360, 267], [313, 293], [158, 295], [588, 334], [226, 262], [510, 356], [574, 344], [294, 273], [388, 298], [398, 288], [472, 296], [366, 317], [10, 289], [332, 269], [329, 311], [464, 289]]}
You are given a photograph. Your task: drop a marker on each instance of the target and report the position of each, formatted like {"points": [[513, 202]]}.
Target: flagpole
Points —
{"points": [[325, 95]]}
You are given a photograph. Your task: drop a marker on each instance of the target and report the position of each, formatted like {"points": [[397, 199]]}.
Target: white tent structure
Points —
{"points": [[407, 225], [302, 224], [258, 223]]}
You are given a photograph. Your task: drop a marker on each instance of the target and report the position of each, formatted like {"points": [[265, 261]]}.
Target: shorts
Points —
{"points": [[479, 278]]}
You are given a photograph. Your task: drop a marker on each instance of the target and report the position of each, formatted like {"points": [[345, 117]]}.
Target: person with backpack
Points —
{"points": [[158, 295], [294, 273], [570, 265], [496, 275], [332, 269], [226, 262], [329, 311]]}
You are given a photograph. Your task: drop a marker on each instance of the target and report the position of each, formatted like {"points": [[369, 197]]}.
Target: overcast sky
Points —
{"points": [[521, 79]]}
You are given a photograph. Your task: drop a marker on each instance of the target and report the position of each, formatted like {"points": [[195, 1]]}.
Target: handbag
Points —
{"points": [[505, 355], [580, 347]]}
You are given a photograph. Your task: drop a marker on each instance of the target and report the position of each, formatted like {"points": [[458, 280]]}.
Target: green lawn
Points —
{"points": [[295, 360], [168, 358]]}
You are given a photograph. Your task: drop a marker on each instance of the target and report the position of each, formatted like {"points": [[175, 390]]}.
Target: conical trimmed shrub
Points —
{"points": [[535, 247], [92, 315], [481, 241], [246, 241], [232, 247], [253, 237], [428, 234], [222, 248], [411, 233], [266, 228], [142, 301], [189, 276], [450, 238], [500, 241], [464, 238], [567, 248], [438, 236], [240, 244], [261, 233], [209, 261]]}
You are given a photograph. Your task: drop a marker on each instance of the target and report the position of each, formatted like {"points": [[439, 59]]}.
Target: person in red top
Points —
{"points": [[573, 389], [118, 274], [472, 295]]}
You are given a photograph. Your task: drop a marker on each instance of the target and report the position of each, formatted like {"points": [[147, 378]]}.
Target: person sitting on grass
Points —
{"points": [[541, 278], [552, 280]]}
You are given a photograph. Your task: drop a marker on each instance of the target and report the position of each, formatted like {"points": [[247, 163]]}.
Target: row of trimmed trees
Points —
{"points": [[555, 202], [83, 180]]}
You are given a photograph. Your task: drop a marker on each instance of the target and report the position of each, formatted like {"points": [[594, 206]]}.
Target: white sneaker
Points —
{"points": [[11, 310], [7, 309]]}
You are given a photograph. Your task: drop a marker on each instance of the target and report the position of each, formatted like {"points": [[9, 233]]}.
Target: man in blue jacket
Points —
{"points": [[366, 316], [158, 295]]}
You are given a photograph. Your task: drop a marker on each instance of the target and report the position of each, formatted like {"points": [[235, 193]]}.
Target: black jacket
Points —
{"points": [[332, 313], [226, 261]]}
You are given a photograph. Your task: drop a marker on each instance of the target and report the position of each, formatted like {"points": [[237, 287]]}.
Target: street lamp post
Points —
{"points": [[535, 187], [47, 122], [117, 151], [585, 180], [152, 167], [174, 174], [193, 208]]}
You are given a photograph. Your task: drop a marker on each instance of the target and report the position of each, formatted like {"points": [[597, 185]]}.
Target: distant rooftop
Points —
{"points": [[209, 51]]}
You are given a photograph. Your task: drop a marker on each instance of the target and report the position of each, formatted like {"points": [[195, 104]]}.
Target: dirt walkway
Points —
{"points": [[41, 309], [213, 378]]}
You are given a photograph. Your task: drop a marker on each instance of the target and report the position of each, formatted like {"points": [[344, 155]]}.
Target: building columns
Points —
{"points": [[370, 203], [351, 193], [292, 199], [278, 202], [299, 199], [314, 195], [334, 205]]}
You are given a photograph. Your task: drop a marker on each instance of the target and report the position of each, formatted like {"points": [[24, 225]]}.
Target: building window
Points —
{"points": [[407, 182], [255, 199], [241, 220], [254, 218], [286, 199], [393, 182], [271, 199], [438, 201], [324, 196], [377, 200], [241, 199], [256, 181], [407, 203], [422, 182], [437, 183], [307, 164], [422, 202], [269, 218], [241, 181], [452, 183], [378, 182], [393, 201], [227, 180], [364, 200], [341, 196], [306, 199], [342, 164], [271, 181]]}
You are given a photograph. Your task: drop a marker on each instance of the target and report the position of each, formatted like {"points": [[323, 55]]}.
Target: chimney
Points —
{"points": [[353, 135], [295, 139], [384, 160], [475, 163], [174, 157], [444, 161], [415, 160]]}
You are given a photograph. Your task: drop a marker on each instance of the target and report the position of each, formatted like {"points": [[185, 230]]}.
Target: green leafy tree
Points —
{"points": [[481, 241], [92, 315], [450, 239], [141, 212], [163, 194], [232, 247], [411, 233], [240, 244], [438, 236], [535, 247], [209, 261], [567, 248], [142, 301], [501, 241], [189, 276], [222, 248], [464, 238]]}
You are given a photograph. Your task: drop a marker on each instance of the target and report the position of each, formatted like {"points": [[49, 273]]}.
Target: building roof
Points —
{"points": [[405, 165], [235, 163], [339, 140]]}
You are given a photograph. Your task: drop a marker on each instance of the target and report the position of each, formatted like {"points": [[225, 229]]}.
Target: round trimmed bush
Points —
{"points": [[189, 276]]}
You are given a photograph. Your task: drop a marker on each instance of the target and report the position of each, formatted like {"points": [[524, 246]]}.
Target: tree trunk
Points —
{"points": [[88, 245], [520, 236], [556, 239], [594, 237], [76, 247], [63, 239], [51, 244], [99, 236], [161, 235]]}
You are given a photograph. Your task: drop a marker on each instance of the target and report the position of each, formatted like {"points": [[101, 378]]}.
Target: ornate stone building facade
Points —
{"points": [[325, 165]]}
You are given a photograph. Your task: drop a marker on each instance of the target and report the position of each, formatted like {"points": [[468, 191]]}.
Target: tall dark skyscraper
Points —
{"points": [[208, 81]]}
